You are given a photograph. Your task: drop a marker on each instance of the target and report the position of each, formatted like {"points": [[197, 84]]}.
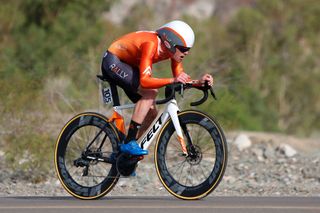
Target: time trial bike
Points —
{"points": [[190, 152]]}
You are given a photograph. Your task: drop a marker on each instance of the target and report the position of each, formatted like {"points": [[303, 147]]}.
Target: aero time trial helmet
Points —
{"points": [[176, 33]]}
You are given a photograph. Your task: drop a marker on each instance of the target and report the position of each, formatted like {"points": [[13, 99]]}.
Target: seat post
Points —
{"points": [[114, 90], [115, 95]]}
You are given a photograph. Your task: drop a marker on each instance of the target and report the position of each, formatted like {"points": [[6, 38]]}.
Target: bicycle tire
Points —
{"points": [[69, 147], [206, 169]]}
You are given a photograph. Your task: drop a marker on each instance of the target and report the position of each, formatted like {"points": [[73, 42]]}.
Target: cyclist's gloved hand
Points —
{"points": [[208, 78], [182, 78]]}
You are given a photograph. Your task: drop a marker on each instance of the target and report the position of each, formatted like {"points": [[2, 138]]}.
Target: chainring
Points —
{"points": [[126, 164]]}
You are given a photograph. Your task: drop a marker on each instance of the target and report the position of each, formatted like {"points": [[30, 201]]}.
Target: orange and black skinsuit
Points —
{"points": [[128, 63]]}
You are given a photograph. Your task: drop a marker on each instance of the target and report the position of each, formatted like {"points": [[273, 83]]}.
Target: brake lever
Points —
{"points": [[181, 90], [213, 94]]}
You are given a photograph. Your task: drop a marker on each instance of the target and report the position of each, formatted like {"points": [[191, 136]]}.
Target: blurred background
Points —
{"points": [[263, 54]]}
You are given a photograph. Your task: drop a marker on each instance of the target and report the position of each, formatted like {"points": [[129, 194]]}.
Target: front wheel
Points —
{"points": [[196, 175]]}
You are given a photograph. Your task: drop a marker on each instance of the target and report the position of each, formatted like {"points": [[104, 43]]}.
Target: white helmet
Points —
{"points": [[176, 33]]}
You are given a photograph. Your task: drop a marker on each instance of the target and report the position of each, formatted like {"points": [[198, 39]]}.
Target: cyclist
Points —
{"points": [[128, 63]]}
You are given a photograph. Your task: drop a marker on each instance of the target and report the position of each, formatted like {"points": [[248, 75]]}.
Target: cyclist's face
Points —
{"points": [[179, 55]]}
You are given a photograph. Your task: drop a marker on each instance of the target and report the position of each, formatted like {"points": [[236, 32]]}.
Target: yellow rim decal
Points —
{"points": [[156, 163], [56, 162]]}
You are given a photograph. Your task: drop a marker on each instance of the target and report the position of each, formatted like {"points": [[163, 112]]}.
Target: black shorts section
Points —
{"points": [[121, 74]]}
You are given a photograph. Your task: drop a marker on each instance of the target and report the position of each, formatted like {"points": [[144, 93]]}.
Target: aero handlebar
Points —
{"points": [[177, 87]]}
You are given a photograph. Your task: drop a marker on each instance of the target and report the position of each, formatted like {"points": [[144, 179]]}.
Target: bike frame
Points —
{"points": [[170, 111]]}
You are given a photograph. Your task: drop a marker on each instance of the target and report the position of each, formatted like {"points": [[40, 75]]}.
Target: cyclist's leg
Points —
{"points": [[144, 104], [127, 77], [139, 114], [121, 74], [151, 115]]}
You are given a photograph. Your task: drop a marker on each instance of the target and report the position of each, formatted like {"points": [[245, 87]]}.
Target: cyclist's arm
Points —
{"points": [[178, 72], [176, 68], [146, 79]]}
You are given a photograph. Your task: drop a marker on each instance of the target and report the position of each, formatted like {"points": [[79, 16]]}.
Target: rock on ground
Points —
{"points": [[265, 168]]}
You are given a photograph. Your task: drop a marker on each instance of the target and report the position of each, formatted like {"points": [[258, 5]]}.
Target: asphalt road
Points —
{"points": [[160, 204]]}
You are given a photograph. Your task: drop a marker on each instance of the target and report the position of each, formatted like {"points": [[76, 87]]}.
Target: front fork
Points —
{"points": [[173, 109]]}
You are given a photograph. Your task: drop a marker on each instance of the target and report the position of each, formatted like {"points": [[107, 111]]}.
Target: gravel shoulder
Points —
{"points": [[267, 165]]}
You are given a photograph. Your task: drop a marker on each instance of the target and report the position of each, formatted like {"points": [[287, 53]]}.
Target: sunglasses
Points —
{"points": [[182, 49]]}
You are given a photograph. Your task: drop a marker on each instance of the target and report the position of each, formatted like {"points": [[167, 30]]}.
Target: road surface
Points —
{"points": [[163, 204]]}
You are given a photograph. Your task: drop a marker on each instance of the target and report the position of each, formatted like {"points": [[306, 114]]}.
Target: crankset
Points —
{"points": [[126, 164]]}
